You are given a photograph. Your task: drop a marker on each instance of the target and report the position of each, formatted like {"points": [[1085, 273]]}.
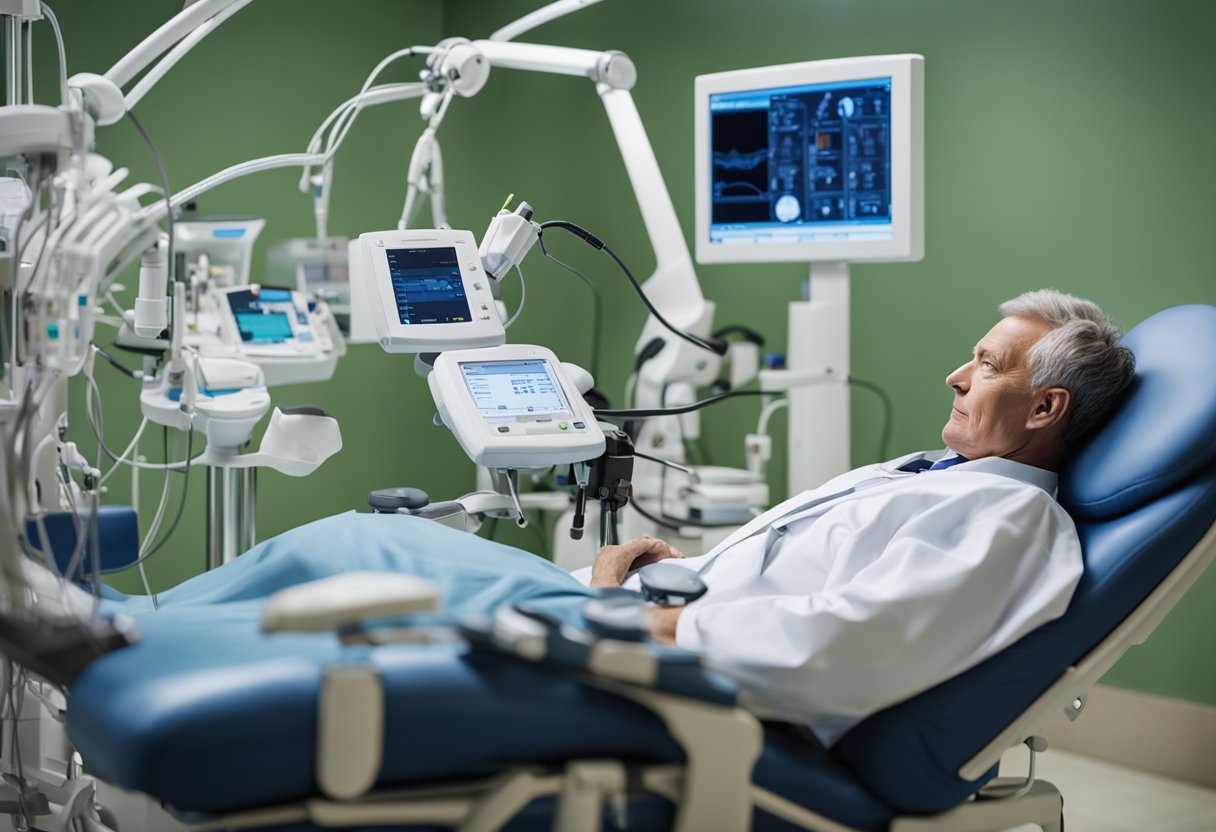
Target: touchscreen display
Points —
{"points": [[511, 389], [427, 286], [263, 317]]}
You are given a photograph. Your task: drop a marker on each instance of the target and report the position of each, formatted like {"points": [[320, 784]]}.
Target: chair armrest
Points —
{"points": [[525, 632], [345, 600]]}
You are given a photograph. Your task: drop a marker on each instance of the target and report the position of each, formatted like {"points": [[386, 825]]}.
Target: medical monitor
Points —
{"points": [[264, 315], [816, 161], [424, 290], [514, 406]]}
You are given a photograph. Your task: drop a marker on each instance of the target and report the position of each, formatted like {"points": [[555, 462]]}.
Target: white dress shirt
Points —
{"points": [[832, 606]]}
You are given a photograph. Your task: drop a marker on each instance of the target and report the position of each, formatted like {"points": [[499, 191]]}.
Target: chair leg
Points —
{"points": [[1042, 806]]}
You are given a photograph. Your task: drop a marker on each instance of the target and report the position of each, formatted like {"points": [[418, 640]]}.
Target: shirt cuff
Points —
{"points": [[688, 634]]}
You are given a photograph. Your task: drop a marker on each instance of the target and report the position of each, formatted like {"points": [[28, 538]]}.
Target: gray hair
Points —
{"points": [[1083, 353]]}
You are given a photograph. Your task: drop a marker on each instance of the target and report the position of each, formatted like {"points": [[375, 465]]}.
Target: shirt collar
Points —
{"points": [[1041, 477]]}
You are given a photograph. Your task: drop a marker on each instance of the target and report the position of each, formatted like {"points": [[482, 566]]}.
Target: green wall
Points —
{"points": [[1068, 144]]}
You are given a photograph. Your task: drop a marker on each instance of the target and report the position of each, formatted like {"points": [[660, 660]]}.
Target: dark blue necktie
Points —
{"points": [[943, 464]]}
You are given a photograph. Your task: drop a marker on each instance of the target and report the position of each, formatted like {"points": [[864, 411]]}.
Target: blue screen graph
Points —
{"points": [[427, 286], [801, 163]]}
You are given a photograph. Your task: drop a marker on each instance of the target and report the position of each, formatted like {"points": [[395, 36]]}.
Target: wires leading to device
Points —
{"points": [[597, 306], [888, 409], [523, 296], [646, 413], [164, 185], [715, 346]]}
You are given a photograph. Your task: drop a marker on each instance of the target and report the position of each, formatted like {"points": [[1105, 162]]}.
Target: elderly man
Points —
{"points": [[886, 580]]}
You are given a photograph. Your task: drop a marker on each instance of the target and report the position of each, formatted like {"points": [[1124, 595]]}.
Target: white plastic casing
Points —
{"points": [[906, 144], [369, 273], [524, 440]]}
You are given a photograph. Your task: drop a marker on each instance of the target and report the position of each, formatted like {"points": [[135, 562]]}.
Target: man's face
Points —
{"points": [[992, 395]]}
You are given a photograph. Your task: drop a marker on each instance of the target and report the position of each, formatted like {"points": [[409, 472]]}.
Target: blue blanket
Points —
{"points": [[214, 619]]}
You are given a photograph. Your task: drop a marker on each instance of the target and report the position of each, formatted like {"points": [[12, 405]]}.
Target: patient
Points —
{"points": [[894, 577], [836, 603]]}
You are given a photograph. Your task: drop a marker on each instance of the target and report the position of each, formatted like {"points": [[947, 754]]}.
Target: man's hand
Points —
{"points": [[613, 563]]}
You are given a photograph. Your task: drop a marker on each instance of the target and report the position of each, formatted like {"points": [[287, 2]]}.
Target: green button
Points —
{"points": [[563, 426]]}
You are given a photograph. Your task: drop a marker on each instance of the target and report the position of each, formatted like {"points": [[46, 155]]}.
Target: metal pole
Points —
{"points": [[231, 513], [13, 66], [249, 510], [229, 530], [215, 509]]}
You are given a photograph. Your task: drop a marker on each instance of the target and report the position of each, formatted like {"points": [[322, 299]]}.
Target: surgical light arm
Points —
{"points": [[673, 288]]}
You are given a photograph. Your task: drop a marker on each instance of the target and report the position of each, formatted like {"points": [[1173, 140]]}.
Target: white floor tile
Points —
{"points": [[1101, 797]]}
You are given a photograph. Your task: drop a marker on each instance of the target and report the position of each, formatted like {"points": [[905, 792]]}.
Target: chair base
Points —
{"points": [[1041, 805]]}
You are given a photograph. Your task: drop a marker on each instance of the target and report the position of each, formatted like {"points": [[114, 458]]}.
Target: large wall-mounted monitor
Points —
{"points": [[816, 161]]}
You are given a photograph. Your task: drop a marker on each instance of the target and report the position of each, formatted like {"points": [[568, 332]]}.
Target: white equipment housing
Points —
{"points": [[514, 406], [425, 291], [819, 162], [225, 242]]}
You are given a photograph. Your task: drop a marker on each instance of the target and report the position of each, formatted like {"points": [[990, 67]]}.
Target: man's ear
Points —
{"points": [[1050, 408]]}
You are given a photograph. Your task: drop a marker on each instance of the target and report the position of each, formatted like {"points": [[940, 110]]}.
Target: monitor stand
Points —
{"points": [[819, 438]]}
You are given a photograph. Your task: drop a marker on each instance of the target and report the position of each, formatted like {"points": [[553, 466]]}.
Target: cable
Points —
{"points": [[118, 365], [101, 443], [718, 348], [63, 61], [667, 463], [130, 447], [888, 414], [162, 504], [644, 413], [523, 296], [181, 506], [767, 413], [28, 28], [164, 185], [597, 307], [676, 523]]}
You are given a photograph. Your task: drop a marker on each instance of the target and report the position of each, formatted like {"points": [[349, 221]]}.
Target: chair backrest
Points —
{"points": [[1142, 490]]}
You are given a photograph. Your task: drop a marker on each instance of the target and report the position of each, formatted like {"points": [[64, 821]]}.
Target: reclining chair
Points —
{"points": [[572, 732]]}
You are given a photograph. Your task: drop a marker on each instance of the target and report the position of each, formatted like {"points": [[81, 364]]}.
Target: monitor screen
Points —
{"points": [[507, 390], [818, 161], [427, 286], [802, 163], [264, 316]]}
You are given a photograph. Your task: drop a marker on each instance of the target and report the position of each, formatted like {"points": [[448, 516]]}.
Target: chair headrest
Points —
{"points": [[1164, 430]]}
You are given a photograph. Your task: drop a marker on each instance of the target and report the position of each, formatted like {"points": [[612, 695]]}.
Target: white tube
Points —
{"points": [[543, 15], [178, 52], [156, 211], [163, 38], [151, 305], [382, 94], [534, 57]]}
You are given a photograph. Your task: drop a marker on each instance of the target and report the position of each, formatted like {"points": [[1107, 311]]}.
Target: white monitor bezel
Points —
{"points": [[485, 329], [907, 159], [480, 439]]}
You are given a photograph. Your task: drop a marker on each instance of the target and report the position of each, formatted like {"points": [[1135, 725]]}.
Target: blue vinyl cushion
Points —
{"points": [[1162, 432]]}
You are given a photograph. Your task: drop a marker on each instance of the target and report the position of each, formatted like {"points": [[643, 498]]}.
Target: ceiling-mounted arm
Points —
{"points": [[673, 288], [163, 39], [539, 17], [178, 35]]}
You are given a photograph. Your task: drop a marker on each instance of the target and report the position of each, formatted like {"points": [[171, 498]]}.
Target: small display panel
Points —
{"points": [[511, 389], [427, 286], [801, 163], [264, 316]]}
